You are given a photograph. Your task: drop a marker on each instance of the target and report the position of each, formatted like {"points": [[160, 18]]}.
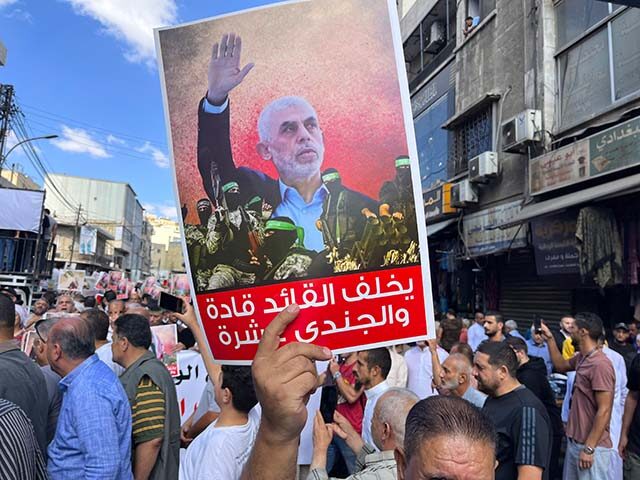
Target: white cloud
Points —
{"points": [[159, 157], [113, 140], [19, 14], [6, 3], [131, 22], [163, 210], [77, 140]]}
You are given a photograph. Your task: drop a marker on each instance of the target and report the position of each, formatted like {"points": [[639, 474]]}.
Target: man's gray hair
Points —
{"points": [[75, 337], [277, 105], [393, 407], [511, 324]]}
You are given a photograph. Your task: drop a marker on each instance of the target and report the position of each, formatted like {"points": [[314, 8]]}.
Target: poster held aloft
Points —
{"points": [[71, 280], [292, 187]]}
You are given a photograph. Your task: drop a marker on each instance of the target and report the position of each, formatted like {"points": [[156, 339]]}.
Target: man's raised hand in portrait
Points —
{"points": [[224, 68]]}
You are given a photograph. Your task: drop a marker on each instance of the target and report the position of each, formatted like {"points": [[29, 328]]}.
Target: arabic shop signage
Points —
{"points": [[611, 150], [554, 244], [483, 236], [437, 202]]}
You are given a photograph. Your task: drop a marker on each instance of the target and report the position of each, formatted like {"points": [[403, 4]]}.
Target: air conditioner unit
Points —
{"points": [[437, 38], [463, 194], [520, 130], [483, 167]]}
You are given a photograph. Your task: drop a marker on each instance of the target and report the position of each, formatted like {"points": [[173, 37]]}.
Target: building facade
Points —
{"points": [[166, 255], [527, 120], [112, 207]]}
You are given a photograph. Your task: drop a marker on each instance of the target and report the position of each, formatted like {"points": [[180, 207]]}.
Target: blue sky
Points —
{"points": [[86, 70]]}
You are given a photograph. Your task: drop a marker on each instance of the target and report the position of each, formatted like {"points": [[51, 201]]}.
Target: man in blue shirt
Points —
{"points": [[93, 438], [290, 137]]}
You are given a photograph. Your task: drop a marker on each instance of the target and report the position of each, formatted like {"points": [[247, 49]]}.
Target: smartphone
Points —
{"points": [[171, 303], [537, 324]]}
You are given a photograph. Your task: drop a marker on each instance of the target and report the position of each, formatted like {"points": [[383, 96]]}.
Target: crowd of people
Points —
{"points": [[480, 401]]}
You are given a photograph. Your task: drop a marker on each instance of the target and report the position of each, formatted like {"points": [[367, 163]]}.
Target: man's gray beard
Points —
{"points": [[292, 171]]}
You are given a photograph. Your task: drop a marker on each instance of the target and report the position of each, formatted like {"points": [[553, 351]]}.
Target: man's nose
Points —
{"points": [[303, 133]]}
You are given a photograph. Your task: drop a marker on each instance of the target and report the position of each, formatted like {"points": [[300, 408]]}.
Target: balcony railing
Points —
{"points": [[26, 256]]}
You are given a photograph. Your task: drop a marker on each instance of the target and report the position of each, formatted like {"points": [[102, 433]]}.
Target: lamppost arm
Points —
{"points": [[3, 158]]}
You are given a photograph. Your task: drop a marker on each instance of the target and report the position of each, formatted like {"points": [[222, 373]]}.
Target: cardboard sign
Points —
{"points": [[294, 187]]}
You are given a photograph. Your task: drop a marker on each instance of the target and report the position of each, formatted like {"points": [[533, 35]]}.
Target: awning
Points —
{"points": [[616, 188], [436, 227]]}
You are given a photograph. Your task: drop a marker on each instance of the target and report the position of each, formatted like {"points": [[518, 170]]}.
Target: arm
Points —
{"points": [[203, 422], [559, 363], [604, 400], [322, 436], [283, 378], [214, 144], [629, 409], [529, 472], [435, 362], [146, 454]]}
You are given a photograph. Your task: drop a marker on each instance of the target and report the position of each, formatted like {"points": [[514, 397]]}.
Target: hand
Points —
{"points": [[546, 333], [284, 378], [322, 434], [224, 68], [433, 345], [178, 347], [622, 446], [343, 428], [185, 440], [189, 316], [334, 367], [585, 461]]}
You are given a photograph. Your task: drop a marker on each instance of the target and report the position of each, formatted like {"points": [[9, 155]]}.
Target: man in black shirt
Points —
{"points": [[621, 343], [532, 373], [629, 447], [521, 421]]}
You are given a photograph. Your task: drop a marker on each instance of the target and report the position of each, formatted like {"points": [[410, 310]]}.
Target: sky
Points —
{"points": [[86, 71]]}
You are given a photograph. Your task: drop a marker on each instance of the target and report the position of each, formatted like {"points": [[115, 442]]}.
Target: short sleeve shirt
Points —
{"points": [[633, 383], [523, 430], [594, 373], [148, 412]]}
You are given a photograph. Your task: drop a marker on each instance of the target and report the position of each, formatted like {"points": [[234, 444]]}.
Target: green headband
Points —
{"points": [[286, 227], [228, 186], [403, 162], [330, 177], [254, 200]]}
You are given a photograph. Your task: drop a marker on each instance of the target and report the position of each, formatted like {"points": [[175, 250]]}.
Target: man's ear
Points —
{"points": [[263, 151], [401, 466], [56, 352]]}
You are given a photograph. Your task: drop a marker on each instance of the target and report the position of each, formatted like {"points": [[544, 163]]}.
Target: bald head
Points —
{"points": [[390, 414], [74, 338], [455, 374]]}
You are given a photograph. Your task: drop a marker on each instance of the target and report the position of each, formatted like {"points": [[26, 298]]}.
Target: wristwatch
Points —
{"points": [[588, 450], [337, 375]]}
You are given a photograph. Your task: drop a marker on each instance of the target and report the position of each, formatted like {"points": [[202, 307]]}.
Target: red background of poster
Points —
{"points": [[335, 53], [243, 327]]}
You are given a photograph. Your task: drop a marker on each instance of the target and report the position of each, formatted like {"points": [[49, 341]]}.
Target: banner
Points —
{"points": [[71, 280], [190, 382], [21, 209], [294, 187], [555, 245], [88, 240]]}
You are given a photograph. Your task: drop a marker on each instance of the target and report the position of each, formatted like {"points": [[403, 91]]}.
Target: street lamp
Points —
{"points": [[44, 137]]}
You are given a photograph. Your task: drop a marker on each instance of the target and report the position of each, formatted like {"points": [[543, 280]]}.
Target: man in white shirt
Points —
{"points": [[371, 369], [99, 322], [221, 451], [476, 334], [398, 373], [420, 368]]}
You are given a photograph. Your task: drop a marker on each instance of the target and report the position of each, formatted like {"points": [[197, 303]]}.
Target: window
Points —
{"points": [[480, 8], [600, 68], [473, 137], [433, 142]]}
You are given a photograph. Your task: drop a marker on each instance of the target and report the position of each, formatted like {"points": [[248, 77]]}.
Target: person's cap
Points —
{"points": [[286, 226], [621, 326], [403, 161], [228, 186], [9, 290], [330, 175], [203, 202]]}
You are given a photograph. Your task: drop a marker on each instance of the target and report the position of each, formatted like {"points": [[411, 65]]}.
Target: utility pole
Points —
{"points": [[6, 110], [75, 231]]}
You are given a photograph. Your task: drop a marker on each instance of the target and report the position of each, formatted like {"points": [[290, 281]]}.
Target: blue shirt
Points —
{"points": [[93, 438], [541, 351], [303, 214]]}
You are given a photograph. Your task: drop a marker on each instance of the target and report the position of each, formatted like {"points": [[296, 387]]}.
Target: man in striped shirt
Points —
{"points": [[521, 421], [153, 399]]}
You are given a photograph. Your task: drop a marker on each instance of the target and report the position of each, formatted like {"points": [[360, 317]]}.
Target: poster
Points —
{"points": [[115, 278], [180, 285], [71, 280], [555, 245], [294, 187], [88, 240], [165, 338], [190, 382]]}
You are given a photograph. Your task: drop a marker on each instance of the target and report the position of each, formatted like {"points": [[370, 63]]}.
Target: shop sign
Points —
{"points": [[432, 91], [437, 202], [554, 244], [613, 149], [483, 236]]}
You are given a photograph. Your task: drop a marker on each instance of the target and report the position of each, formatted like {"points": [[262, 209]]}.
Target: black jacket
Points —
{"points": [[533, 375]]}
